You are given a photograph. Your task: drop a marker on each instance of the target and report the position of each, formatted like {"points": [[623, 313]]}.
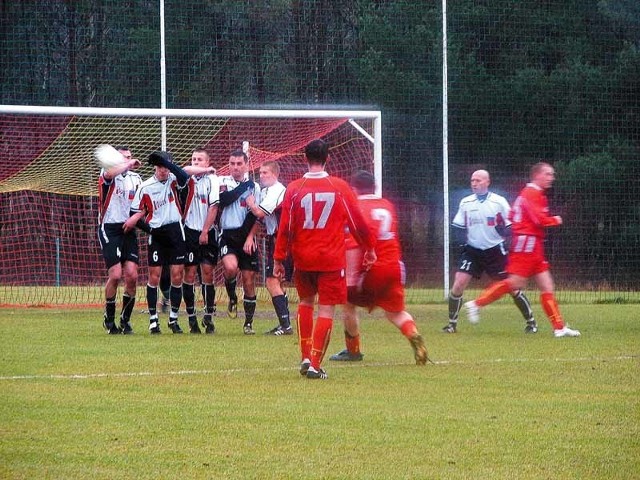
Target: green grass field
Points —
{"points": [[77, 403]]}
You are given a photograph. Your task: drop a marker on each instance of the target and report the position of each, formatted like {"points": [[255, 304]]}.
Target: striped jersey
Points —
{"points": [[270, 199], [115, 196], [159, 200], [478, 217], [202, 192], [233, 215]]}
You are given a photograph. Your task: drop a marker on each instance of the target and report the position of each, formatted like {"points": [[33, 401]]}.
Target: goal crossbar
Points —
{"points": [[307, 113]]}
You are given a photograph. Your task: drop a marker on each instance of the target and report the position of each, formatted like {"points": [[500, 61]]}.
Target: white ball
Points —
{"points": [[108, 157]]}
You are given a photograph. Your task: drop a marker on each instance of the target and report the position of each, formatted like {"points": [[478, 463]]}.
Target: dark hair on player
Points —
{"points": [[364, 182], [317, 151], [240, 153]]}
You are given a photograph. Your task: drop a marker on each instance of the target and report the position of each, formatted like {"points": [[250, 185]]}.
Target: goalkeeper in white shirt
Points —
{"points": [[480, 228]]}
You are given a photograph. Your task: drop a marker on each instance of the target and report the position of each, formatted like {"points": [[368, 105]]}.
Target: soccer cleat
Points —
{"points": [[566, 332], [111, 328], [314, 374], [532, 327], [451, 327], [174, 326], [126, 327], [279, 331], [247, 329], [419, 350], [473, 312], [193, 325], [209, 327], [304, 366], [346, 356], [154, 327], [232, 309]]}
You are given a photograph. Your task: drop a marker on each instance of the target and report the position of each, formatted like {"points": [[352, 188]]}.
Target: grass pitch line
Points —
{"points": [[231, 371]]}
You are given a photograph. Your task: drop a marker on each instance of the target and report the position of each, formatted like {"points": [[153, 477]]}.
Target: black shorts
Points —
{"points": [[196, 253], [475, 262], [167, 246], [117, 246], [232, 243], [270, 242]]}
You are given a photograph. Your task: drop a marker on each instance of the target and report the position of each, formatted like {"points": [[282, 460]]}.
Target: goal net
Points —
{"points": [[49, 248]]}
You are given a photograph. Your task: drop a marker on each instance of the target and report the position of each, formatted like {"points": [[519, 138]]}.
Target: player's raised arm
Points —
{"points": [[229, 196], [164, 159]]}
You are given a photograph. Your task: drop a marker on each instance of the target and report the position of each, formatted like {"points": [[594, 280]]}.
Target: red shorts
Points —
{"points": [[331, 287], [526, 257], [382, 286]]}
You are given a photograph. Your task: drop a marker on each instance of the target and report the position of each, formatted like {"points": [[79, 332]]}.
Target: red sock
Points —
{"points": [[550, 307], [321, 337], [305, 329], [409, 328], [493, 292], [352, 343]]}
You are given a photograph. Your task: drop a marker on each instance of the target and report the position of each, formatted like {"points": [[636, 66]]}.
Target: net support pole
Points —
{"points": [[57, 261], [445, 152], [377, 152], [163, 79]]}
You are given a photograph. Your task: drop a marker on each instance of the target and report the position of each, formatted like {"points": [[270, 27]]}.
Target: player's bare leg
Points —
{"points": [[460, 283], [321, 337], [230, 266], [110, 292], [492, 293], [152, 298], [304, 319], [523, 304], [353, 274], [406, 324], [249, 301], [351, 323], [130, 273], [209, 294], [281, 307], [189, 295], [544, 280], [175, 296]]}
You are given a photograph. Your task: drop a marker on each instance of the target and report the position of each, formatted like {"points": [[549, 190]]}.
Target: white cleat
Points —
{"points": [[473, 312], [566, 332]]}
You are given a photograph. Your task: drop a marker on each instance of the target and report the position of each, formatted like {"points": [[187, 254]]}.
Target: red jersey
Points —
{"points": [[315, 210], [530, 212], [380, 215]]}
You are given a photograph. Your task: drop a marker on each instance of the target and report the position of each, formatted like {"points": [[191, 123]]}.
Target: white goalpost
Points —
{"points": [[373, 133], [48, 198]]}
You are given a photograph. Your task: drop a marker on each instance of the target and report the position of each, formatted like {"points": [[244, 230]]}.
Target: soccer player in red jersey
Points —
{"points": [[383, 284], [315, 210], [529, 216]]}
